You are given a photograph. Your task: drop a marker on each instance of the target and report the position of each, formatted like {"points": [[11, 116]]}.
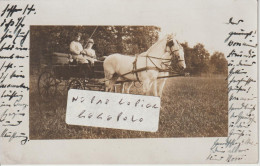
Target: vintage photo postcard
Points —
{"points": [[129, 82]]}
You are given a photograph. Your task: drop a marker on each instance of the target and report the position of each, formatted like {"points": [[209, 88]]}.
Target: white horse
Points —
{"points": [[148, 65], [125, 87]]}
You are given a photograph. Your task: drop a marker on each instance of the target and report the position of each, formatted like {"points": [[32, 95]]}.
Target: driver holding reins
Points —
{"points": [[89, 53]]}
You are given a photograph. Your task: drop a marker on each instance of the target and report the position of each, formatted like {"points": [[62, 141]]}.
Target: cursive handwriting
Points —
{"points": [[242, 95], [14, 52]]}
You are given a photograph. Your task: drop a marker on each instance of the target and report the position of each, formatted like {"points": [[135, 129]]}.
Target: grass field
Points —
{"points": [[191, 107]]}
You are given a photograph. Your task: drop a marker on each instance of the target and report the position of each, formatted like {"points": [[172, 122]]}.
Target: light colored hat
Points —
{"points": [[90, 41]]}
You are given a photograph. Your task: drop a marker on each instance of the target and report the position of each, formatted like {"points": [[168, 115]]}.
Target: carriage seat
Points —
{"points": [[63, 59], [60, 58]]}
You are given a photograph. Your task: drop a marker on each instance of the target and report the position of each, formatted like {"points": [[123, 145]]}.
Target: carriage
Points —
{"points": [[61, 72], [154, 64]]}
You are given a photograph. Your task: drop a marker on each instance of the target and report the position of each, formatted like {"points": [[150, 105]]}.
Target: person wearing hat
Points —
{"points": [[77, 50], [89, 53]]}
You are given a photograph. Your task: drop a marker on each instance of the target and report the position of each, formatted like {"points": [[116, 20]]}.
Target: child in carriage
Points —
{"points": [[89, 53]]}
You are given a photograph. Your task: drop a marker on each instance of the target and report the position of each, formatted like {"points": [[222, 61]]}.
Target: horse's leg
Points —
{"points": [[129, 87], [109, 81], [115, 89], [112, 84], [146, 87], [126, 87], [160, 87], [154, 84], [123, 87]]}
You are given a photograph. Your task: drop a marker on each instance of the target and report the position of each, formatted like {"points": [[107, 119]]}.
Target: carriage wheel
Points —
{"points": [[75, 84], [47, 86]]}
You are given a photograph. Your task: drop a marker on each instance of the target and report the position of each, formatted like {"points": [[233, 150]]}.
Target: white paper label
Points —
{"points": [[113, 110]]}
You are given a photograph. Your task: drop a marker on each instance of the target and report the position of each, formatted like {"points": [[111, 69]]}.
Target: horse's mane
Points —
{"points": [[156, 44], [143, 53]]}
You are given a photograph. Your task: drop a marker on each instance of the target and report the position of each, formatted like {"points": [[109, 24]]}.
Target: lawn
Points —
{"points": [[191, 107]]}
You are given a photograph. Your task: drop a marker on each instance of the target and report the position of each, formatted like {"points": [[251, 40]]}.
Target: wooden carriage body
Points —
{"points": [[61, 70], [64, 67]]}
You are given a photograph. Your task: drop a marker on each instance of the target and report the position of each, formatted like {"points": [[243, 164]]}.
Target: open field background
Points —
{"points": [[191, 107]]}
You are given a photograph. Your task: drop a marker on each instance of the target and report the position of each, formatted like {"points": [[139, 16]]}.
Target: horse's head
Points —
{"points": [[176, 52]]}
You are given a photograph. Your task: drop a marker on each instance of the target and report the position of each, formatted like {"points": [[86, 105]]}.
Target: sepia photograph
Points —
{"points": [[129, 82], [190, 80]]}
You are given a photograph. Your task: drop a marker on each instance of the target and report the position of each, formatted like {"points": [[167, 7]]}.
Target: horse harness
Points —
{"points": [[136, 71]]}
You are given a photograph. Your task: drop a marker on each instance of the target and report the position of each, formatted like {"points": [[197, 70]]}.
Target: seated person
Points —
{"points": [[89, 53], [76, 50]]}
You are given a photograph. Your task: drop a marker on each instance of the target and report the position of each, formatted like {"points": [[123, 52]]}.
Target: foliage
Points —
{"points": [[108, 39], [218, 63], [198, 60], [129, 40]]}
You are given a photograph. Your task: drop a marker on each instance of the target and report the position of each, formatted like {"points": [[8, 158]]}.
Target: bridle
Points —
{"points": [[165, 61]]}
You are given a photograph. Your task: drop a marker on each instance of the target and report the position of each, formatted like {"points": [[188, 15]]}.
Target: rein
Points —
{"points": [[136, 71], [164, 61]]}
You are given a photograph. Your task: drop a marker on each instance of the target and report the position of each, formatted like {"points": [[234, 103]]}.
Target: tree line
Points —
{"points": [[198, 60], [129, 40]]}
